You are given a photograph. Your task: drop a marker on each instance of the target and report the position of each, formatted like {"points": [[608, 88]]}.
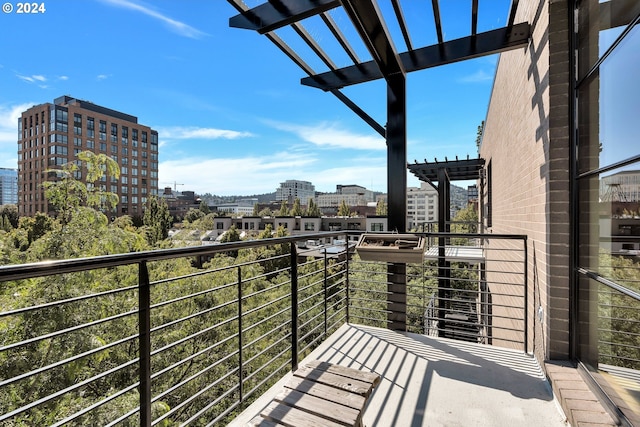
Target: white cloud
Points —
{"points": [[477, 77], [63, 77], [178, 132], [9, 133], [227, 176], [102, 76], [328, 134], [176, 26]]}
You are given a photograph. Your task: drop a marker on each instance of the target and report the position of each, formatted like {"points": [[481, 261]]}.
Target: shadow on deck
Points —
{"points": [[436, 382]]}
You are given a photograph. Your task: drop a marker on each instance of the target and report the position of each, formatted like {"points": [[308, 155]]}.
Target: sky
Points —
{"points": [[231, 114]]}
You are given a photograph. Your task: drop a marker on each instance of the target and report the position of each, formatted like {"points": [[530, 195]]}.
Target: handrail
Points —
{"points": [[613, 285], [48, 268]]}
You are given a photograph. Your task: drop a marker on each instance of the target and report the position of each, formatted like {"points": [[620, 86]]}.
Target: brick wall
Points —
{"points": [[526, 139]]}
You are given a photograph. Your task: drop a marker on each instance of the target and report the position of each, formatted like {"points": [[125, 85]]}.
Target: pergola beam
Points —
{"points": [[368, 22], [487, 43], [271, 16]]}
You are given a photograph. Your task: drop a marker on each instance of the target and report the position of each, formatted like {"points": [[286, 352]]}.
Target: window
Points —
{"points": [[377, 226]]}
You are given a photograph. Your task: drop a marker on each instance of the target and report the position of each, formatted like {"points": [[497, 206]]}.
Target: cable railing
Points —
{"points": [[193, 335], [150, 337], [475, 291]]}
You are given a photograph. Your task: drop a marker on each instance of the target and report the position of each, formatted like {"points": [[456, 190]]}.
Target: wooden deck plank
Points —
{"points": [[331, 394], [320, 407], [366, 376], [262, 422], [293, 417], [338, 381]]}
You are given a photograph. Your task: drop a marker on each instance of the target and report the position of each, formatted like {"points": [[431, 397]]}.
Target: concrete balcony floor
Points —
{"points": [[437, 382]]}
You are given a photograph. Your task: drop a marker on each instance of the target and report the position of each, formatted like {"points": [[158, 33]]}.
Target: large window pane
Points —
{"points": [[609, 103]]}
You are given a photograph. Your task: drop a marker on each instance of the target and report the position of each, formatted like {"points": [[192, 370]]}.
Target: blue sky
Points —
{"points": [[231, 113]]}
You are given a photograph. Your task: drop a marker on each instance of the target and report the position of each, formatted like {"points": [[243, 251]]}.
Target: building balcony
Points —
{"points": [[149, 338]]}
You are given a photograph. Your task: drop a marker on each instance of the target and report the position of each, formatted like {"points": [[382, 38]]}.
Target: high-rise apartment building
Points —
{"points": [[422, 206], [293, 189], [52, 134], [8, 186]]}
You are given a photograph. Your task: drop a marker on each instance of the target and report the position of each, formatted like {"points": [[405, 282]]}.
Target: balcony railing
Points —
{"points": [[193, 335]]}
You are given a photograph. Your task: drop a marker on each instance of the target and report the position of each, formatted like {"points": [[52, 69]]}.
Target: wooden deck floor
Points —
{"points": [[437, 382]]}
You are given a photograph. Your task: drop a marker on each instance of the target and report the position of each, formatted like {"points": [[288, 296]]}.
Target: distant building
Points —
{"points": [[293, 189], [8, 186], [179, 202], [352, 195], [422, 206], [52, 134], [242, 207]]}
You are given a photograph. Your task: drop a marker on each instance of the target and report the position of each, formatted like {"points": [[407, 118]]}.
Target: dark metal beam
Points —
{"points": [[436, 19], [367, 19], [403, 24], [474, 17], [240, 7], [487, 43], [335, 30], [512, 12], [271, 16], [397, 154]]}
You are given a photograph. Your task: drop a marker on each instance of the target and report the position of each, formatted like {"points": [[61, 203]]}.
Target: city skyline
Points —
{"points": [[229, 108]]}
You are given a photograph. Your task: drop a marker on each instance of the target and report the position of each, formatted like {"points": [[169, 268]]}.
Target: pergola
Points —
{"points": [[385, 62]]}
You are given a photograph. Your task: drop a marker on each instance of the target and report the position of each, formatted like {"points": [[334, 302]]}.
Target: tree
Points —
{"points": [[284, 209], [312, 209], [343, 209], [381, 208], [193, 215], [296, 210], [255, 212], [67, 194], [157, 220], [479, 133], [265, 212], [10, 212], [204, 207]]}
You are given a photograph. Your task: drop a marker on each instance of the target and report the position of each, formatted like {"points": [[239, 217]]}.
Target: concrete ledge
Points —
{"points": [[579, 403]]}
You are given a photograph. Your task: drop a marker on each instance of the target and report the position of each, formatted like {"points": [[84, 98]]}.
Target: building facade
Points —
{"points": [[422, 206], [561, 150], [352, 195], [53, 134], [8, 186], [293, 189]]}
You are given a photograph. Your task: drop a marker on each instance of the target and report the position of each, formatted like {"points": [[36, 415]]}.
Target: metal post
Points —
{"points": [[240, 343], [397, 195], [444, 226], [325, 292], [294, 307], [347, 279], [144, 337]]}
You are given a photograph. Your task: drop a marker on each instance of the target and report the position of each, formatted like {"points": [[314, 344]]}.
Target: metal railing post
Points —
{"points": [[294, 307], [240, 343], [347, 280], [324, 283], [144, 333]]}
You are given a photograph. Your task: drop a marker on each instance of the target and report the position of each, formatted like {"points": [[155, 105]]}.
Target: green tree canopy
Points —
{"points": [[157, 220], [10, 212], [284, 209], [312, 209], [296, 210], [343, 209], [66, 194], [381, 208], [204, 207]]}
